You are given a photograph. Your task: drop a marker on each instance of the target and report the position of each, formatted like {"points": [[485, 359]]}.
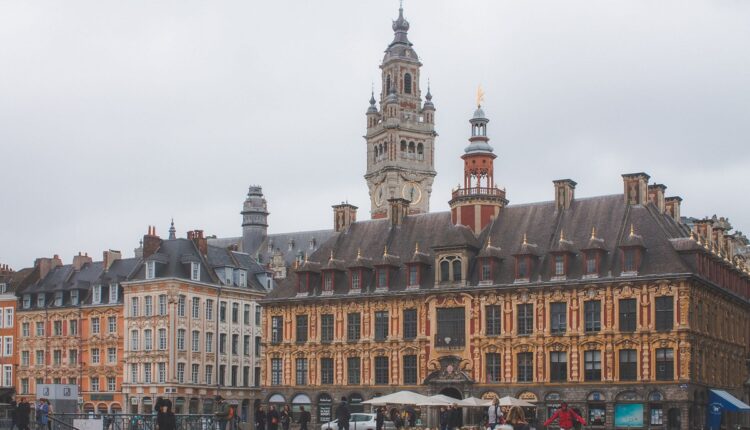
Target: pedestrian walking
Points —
{"points": [[342, 414], [494, 414], [165, 419], [379, 418], [444, 418], [222, 412], [286, 417], [260, 419], [304, 418], [566, 417], [273, 418]]}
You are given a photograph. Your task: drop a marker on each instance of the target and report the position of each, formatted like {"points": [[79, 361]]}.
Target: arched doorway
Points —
{"points": [[452, 392], [300, 400]]}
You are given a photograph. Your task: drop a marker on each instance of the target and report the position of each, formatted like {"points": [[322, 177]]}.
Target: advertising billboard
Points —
{"points": [[629, 415]]}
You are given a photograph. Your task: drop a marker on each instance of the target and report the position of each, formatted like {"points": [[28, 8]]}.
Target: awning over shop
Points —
{"points": [[728, 401]]}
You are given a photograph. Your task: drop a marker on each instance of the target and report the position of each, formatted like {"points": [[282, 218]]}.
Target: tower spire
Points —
{"points": [[172, 231]]}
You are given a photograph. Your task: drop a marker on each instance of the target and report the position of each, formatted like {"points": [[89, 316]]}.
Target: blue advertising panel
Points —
{"points": [[629, 415]]}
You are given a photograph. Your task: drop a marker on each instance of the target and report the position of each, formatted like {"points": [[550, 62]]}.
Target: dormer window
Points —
{"points": [[559, 265], [356, 281], [40, 300], [96, 296], [228, 276], [303, 283], [312, 243], [632, 248], [150, 269], [74, 297], [382, 278], [328, 282], [591, 266], [26, 301], [242, 281], [113, 293], [3, 287], [523, 264], [486, 271], [413, 275], [195, 271], [58, 298], [629, 260], [451, 269]]}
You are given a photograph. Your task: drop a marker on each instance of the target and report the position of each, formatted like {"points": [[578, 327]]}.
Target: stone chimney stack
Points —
{"points": [[5, 269], [398, 210], [151, 242], [705, 231], [672, 207], [109, 257], [656, 196], [200, 242], [636, 188], [343, 216], [79, 260], [46, 264], [564, 193]]}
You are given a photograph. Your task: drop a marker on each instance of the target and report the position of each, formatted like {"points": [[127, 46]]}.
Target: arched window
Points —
{"points": [[387, 84], [411, 147], [403, 146], [456, 270], [420, 151], [407, 83], [445, 271]]}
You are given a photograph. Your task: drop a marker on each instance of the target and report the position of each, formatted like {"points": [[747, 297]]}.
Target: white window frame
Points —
{"points": [[26, 301], [112, 324], [114, 291], [74, 297], [26, 329], [40, 300], [134, 340], [162, 304], [95, 356], [147, 376], [110, 358], [2, 317], [111, 383], [150, 269], [162, 339], [58, 298], [7, 375], [96, 327], [8, 346], [195, 271], [243, 279], [96, 296], [162, 373], [196, 308]]}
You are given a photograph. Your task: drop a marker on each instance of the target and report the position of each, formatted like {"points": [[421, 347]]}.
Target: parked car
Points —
{"points": [[359, 421]]}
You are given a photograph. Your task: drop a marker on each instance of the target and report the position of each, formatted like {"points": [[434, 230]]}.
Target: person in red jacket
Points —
{"points": [[566, 416]]}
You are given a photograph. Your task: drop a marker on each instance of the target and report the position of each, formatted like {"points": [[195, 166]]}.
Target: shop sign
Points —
{"points": [[324, 408], [489, 395], [528, 396]]}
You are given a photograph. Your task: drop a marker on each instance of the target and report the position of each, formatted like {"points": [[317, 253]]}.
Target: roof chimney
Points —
{"points": [[672, 207], [564, 193], [5, 269], [151, 242], [46, 264], [398, 210], [656, 196], [109, 257], [636, 188], [200, 242], [79, 260], [343, 216]]}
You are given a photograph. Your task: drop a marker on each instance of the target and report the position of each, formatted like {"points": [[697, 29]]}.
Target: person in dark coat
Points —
{"points": [[286, 417], [379, 418], [444, 418], [343, 415], [23, 414], [455, 421], [165, 419], [304, 418], [260, 419], [273, 418]]}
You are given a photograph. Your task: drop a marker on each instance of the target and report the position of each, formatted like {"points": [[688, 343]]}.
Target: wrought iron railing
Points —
{"points": [[136, 421], [482, 191]]}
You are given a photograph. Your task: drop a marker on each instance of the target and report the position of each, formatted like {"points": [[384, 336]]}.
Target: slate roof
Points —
{"points": [[542, 225], [291, 245]]}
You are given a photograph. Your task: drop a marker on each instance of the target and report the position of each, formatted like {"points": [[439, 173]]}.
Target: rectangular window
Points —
{"points": [[134, 307], [8, 375], [525, 366], [246, 375], [95, 384], [246, 314], [628, 314], [353, 370], [382, 278], [492, 320], [353, 331], [133, 373], [276, 371], [523, 268], [195, 271], [194, 372], [163, 304], [181, 339], [8, 346], [355, 280], [664, 313], [410, 324], [628, 365], [148, 306], [209, 342], [559, 265], [181, 301], [73, 327], [40, 328], [257, 315], [413, 274], [147, 373], [25, 329], [493, 370], [328, 281], [223, 311], [209, 374], [147, 339], [196, 308], [222, 343], [301, 333], [162, 372], [113, 293], [326, 371], [592, 361], [150, 270], [181, 372], [558, 366], [111, 355], [246, 345], [26, 301], [591, 263], [25, 386], [111, 383], [96, 295], [558, 317], [381, 370], [257, 346], [57, 328], [112, 324], [629, 260], [326, 328], [486, 270], [410, 369], [209, 309], [39, 357], [134, 340], [592, 316], [450, 327], [25, 358], [162, 339], [664, 364], [381, 325], [40, 300], [235, 344], [235, 313], [301, 371], [525, 319]]}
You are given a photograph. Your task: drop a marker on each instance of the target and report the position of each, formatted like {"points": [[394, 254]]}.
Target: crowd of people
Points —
{"points": [[21, 414], [273, 418]]}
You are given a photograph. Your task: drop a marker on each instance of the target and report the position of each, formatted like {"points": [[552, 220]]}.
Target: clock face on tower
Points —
{"points": [[412, 192]]}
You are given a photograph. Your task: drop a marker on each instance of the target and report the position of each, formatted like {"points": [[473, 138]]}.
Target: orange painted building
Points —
{"points": [[7, 332]]}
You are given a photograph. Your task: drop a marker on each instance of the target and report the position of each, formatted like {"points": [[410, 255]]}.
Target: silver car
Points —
{"points": [[359, 421]]}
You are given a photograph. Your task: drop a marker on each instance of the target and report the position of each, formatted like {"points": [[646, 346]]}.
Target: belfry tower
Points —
{"points": [[401, 134], [479, 200]]}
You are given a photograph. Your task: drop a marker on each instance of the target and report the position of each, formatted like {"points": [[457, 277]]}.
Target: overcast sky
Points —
{"points": [[118, 115]]}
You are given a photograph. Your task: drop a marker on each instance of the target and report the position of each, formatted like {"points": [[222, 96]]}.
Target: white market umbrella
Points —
{"points": [[512, 401], [439, 400], [398, 398], [475, 402]]}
